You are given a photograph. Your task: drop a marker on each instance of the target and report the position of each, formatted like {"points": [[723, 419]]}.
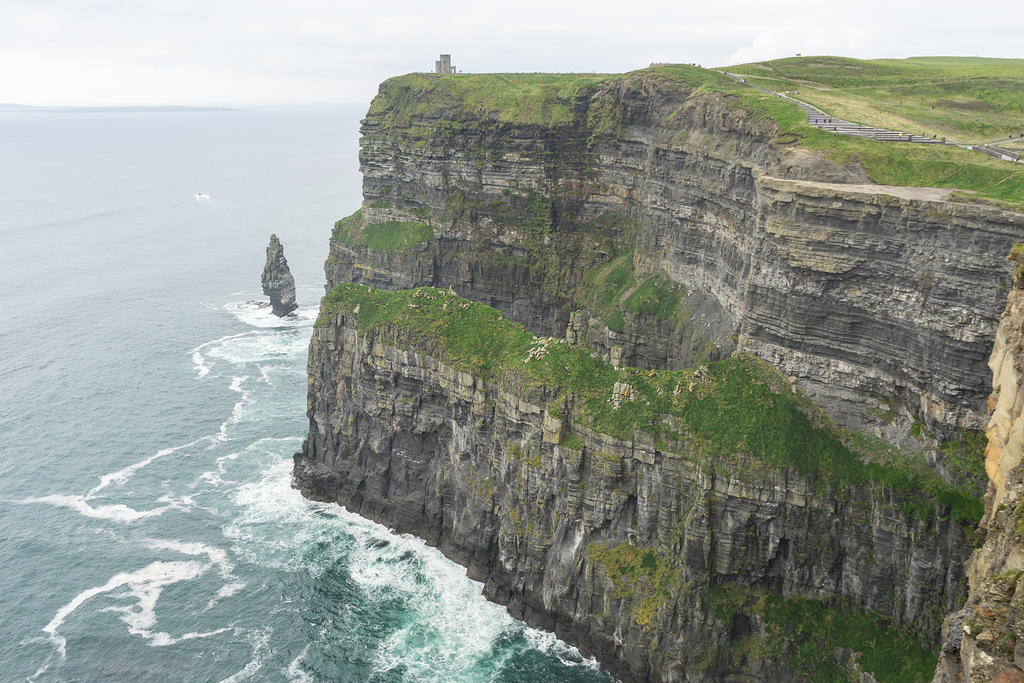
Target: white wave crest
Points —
{"points": [[218, 557], [199, 358], [549, 644], [260, 314], [294, 672], [453, 628], [116, 512], [145, 584], [144, 587], [125, 473], [270, 345]]}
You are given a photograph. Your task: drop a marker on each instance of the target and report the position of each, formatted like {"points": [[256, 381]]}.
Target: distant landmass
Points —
{"points": [[89, 110]]}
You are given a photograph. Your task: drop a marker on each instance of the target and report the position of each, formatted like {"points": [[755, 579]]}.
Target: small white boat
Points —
{"points": [[202, 197]]}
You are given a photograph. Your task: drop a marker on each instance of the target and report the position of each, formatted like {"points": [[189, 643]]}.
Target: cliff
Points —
{"points": [[675, 524], [879, 300], [985, 640], [278, 282], [738, 432]]}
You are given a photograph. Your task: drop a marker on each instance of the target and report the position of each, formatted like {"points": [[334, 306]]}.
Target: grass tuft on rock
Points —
{"points": [[395, 235], [807, 633], [386, 236], [729, 410], [346, 230]]}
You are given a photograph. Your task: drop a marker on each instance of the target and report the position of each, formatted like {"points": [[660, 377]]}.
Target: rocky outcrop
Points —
{"points": [[985, 640], [278, 282], [660, 556], [645, 221], [880, 301]]}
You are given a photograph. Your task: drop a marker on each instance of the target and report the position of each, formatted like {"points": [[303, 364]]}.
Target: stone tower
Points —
{"points": [[444, 65]]}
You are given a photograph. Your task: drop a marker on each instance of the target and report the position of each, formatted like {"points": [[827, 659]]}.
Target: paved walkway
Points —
{"points": [[819, 119]]}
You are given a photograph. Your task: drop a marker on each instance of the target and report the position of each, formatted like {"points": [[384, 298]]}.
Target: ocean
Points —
{"points": [[149, 408]]}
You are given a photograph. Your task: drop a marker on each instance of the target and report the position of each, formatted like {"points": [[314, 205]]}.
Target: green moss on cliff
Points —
{"points": [[386, 236], [964, 455], [806, 633], [729, 410], [611, 289], [640, 575], [655, 296], [394, 235], [346, 230]]}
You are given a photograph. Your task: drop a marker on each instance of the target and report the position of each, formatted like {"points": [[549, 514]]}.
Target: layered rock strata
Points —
{"points": [[278, 283], [622, 546], [985, 640], [661, 225], [878, 300]]}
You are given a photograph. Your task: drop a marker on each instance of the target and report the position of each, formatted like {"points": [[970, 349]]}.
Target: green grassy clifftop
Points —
{"points": [[976, 99], [972, 99]]}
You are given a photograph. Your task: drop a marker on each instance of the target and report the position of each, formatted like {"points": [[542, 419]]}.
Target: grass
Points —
{"points": [[807, 632], [412, 105], [656, 296], [893, 163], [387, 236], [346, 230], [968, 98], [395, 235], [537, 99], [728, 411]]}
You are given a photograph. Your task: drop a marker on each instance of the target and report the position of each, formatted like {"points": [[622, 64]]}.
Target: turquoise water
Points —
{"points": [[150, 407]]}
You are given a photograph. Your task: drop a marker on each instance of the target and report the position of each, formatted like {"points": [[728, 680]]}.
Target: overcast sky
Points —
{"points": [[238, 52]]}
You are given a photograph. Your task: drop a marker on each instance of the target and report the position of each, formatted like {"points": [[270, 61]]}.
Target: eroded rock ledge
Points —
{"points": [[655, 223], [985, 640], [666, 551], [880, 302]]}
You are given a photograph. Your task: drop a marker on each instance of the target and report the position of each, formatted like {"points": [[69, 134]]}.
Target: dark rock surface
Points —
{"points": [[877, 299], [881, 303], [483, 471], [985, 640], [278, 282]]}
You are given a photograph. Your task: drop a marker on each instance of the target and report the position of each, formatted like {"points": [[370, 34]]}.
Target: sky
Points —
{"points": [[271, 52]]}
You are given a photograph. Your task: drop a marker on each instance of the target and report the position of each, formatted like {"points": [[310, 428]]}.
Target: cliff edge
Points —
{"points": [[985, 640], [679, 525], [676, 378]]}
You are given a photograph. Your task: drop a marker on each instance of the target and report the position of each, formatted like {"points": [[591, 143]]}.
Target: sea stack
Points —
{"points": [[278, 282]]}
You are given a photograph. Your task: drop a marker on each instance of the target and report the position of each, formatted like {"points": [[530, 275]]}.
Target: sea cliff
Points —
{"points": [[985, 640], [669, 522], [696, 396], [877, 299]]}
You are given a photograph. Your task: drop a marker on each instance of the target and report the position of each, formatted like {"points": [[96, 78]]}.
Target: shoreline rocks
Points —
{"points": [[278, 282]]}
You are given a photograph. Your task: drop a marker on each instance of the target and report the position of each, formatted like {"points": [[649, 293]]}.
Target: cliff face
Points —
{"points": [[985, 640], [878, 300], [660, 553], [700, 518], [278, 282]]}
